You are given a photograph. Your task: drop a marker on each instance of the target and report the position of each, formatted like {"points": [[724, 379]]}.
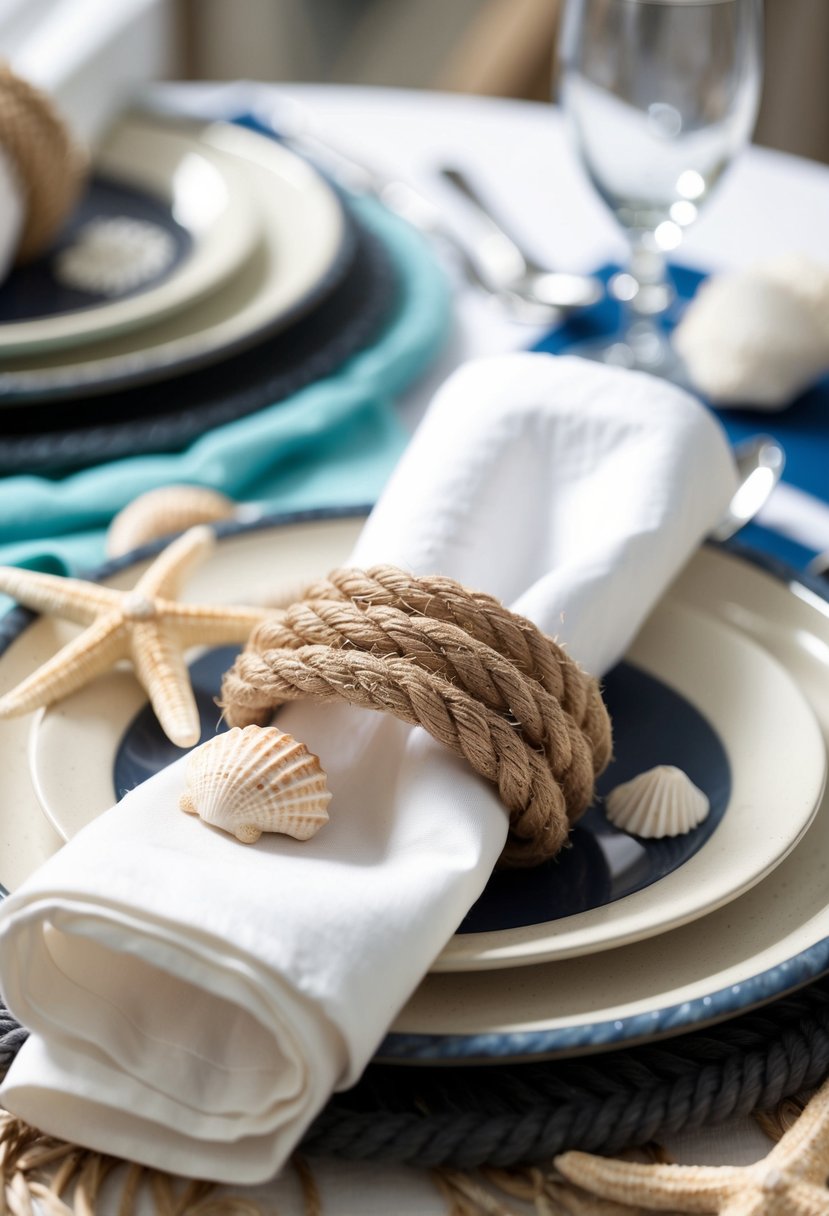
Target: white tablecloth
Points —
{"points": [[518, 152]]}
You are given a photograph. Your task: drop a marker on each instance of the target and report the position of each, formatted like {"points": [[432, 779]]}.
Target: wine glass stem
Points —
{"points": [[645, 293], [653, 292]]}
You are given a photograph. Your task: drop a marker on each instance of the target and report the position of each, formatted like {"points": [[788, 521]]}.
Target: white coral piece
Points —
{"points": [[113, 255], [660, 802], [257, 779], [758, 337]]}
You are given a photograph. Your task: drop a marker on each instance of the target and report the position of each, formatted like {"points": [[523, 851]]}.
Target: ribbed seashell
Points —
{"points": [[163, 511], [660, 802], [257, 779], [758, 337]]}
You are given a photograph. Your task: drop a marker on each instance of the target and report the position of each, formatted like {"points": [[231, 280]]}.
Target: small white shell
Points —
{"points": [[163, 511], [257, 779], [758, 337], [660, 802]]}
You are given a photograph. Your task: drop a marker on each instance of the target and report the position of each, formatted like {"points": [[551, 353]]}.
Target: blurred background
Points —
{"points": [[499, 47]]}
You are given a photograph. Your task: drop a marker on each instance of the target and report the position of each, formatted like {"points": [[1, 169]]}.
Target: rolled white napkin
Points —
{"points": [[195, 1001]]}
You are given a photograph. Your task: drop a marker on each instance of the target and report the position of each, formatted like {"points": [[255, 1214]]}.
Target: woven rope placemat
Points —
{"points": [[506, 1115], [524, 1114]]}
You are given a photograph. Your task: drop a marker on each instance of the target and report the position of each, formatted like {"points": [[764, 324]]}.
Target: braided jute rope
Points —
{"points": [[49, 166], [482, 680]]}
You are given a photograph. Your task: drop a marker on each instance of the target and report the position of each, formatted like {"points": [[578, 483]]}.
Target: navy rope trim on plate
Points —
{"points": [[504, 1115], [521, 1114]]}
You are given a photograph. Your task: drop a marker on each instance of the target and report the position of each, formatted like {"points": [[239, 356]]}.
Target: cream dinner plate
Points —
{"points": [[289, 228], [741, 692], [202, 192], [764, 942]]}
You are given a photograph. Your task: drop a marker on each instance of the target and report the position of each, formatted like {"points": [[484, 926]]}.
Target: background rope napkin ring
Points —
{"points": [[482, 680], [50, 167]]}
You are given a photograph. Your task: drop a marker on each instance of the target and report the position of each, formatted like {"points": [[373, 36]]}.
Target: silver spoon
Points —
{"points": [[562, 292], [511, 269], [760, 462]]}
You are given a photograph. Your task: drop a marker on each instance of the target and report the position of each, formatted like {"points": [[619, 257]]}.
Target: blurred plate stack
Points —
{"points": [[207, 273]]}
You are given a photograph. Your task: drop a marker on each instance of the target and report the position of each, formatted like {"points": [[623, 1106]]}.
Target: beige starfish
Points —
{"points": [[146, 625], [790, 1181]]}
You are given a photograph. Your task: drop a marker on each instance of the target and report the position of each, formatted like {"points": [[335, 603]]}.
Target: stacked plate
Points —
{"points": [[208, 272], [619, 939]]}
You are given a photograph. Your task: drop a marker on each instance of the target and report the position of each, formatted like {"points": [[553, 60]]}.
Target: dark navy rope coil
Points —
{"points": [[523, 1114], [12, 1038]]}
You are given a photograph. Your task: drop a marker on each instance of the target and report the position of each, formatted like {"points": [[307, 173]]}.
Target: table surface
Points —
{"points": [[519, 154]]}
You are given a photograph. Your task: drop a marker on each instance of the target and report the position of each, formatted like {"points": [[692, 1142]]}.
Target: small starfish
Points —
{"points": [[790, 1181], [147, 625]]}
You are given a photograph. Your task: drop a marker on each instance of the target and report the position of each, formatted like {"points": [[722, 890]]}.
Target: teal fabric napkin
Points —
{"points": [[332, 444]]}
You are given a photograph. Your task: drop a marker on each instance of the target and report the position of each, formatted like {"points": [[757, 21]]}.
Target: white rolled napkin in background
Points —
{"points": [[194, 1001]]}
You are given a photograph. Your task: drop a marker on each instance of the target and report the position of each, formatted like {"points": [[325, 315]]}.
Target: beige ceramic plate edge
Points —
{"points": [[745, 694], [764, 932], [208, 196], [754, 706], [302, 229]]}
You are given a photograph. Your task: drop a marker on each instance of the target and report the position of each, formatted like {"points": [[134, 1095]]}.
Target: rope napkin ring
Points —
{"points": [[49, 166], [483, 681]]}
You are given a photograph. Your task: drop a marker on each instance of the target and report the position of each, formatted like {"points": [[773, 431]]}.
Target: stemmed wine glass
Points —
{"points": [[660, 95]]}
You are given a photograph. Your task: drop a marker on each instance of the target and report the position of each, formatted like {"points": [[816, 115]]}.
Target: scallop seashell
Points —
{"points": [[758, 337], [257, 779], [163, 511], [660, 802]]}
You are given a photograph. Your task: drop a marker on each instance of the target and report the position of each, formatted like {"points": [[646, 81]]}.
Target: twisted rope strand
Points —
{"points": [[50, 168], [439, 647], [517, 1114], [487, 621], [480, 615], [483, 681], [490, 744]]}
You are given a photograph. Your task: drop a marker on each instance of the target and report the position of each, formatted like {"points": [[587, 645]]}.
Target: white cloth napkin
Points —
{"points": [[88, 55], [194, 1001]]}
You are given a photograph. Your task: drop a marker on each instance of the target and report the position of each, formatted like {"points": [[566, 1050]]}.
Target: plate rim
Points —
{"points": [[493, 1047], [517, 953], [716, 873], [516, 1046], [104, 373], [199, 273]]}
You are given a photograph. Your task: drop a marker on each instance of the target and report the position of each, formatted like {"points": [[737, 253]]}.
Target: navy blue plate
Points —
{"points": [[652, 725], [32, 291]]}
